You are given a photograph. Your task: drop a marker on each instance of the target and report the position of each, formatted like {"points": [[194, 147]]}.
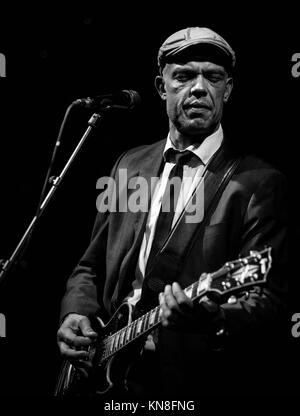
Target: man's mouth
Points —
{"points": [[197, 106], [196, 109]]}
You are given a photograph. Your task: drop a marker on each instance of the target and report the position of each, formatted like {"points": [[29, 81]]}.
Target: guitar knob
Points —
{"points": [[232, 300]]}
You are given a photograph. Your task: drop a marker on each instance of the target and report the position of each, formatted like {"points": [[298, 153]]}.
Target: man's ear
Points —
{"points": [[228, 89], [160, 86]]}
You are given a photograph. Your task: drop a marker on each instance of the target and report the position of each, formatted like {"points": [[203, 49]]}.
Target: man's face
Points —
{"points": [[195, 92]]}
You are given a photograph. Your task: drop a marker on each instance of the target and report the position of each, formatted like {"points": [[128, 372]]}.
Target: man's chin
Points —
{"points": [[195, 127]]}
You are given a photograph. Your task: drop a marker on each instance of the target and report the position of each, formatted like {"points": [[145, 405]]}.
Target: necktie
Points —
{"points": [[169, 199]]}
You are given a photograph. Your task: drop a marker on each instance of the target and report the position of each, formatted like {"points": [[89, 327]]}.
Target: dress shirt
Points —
{"points": [[191, 177]]}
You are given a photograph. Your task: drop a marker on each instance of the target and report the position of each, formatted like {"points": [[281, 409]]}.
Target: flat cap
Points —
{"points": [[196, 41]]}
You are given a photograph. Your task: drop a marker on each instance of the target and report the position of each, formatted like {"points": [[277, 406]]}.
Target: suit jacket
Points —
{"points": [[249, 215]]}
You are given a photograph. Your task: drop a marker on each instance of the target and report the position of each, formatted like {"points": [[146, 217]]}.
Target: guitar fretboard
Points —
{"points": [[232, 277], [145, 323]]}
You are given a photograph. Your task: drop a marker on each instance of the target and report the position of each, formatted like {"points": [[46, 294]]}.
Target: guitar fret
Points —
{"points": [[128, 333], [139, 325], [194, 290], [141, 328], [122, 337], [152, 317], [145, 322], [133, 333], [108, 345], [147, 325], [157, 314], [117, 340], [113, 340], [189, 291], [112, 343]]}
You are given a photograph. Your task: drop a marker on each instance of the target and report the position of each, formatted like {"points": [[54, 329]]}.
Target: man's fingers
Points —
{"points": [[164, 310], [176, 300], [71, 353], [169, 299], [167, 303], [185, 304], [177, 310], [81, 363], [170, 313], [68, 336], [86, 329], [82, 366]]}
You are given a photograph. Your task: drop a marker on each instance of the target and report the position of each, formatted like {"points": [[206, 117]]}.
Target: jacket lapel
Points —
{"points": [[200, 201], [148, 165], [150, 170], [169, 261]]}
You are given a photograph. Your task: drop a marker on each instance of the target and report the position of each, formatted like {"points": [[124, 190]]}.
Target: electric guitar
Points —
{"points": [[112, 351]]}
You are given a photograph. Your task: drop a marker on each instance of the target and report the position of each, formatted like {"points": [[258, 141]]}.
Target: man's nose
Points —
{"points": [[199, 86]]}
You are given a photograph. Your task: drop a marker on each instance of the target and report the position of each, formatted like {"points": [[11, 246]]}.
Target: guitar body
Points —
{"points": [[122, 338], [109, 377]]}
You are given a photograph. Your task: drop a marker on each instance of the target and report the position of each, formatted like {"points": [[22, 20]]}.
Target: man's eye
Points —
{"points": [[214, 78], [182, 77]]}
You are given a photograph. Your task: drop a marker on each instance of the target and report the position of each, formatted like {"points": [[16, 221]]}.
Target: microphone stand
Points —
{"points": [[6, 265]]}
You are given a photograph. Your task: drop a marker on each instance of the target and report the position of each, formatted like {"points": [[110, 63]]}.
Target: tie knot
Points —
{"points": [[185, 157]]}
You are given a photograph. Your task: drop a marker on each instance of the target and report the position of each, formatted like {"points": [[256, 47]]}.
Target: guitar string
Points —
{"points": [[112, 344], [112, 341]]}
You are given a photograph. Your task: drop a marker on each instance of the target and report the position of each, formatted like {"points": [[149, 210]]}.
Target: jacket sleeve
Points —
{"points": [[265, 224], [85, 285]]}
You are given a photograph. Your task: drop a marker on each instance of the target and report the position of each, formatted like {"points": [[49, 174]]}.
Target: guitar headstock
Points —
{"points": [[241, 274]]}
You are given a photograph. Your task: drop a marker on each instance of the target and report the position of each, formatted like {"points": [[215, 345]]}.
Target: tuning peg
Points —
{"points": [[255, 253]]}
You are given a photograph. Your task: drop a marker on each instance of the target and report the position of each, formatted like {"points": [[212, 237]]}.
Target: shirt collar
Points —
{"points": [[206, 149]]}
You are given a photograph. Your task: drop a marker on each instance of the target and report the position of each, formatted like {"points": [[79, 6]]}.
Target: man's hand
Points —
{"points": [[179, 312], [74, 337]]}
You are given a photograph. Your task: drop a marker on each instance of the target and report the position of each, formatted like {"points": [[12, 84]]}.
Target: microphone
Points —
{"points": [[125, 99]]}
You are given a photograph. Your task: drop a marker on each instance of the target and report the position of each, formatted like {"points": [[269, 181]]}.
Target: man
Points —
{"points": [[131, 256]]}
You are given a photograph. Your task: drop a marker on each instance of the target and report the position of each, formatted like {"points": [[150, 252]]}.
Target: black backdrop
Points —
{"points": [[54, 57]]}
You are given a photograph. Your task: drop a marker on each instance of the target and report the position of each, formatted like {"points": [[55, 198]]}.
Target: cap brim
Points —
{"points": [[199, 50]]}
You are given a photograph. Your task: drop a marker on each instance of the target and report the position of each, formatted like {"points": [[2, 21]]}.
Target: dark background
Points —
{"points": [[54, 57]]}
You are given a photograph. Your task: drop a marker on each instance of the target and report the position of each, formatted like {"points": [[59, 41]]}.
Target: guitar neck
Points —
{"points": [[233, 277], [147, 322]]}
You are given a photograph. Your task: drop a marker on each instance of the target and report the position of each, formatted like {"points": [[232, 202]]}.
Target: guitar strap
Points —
{"points": [[169, 260]]}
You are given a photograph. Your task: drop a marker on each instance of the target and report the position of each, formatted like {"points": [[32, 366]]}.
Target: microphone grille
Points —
{"points": [[134, 98]]}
